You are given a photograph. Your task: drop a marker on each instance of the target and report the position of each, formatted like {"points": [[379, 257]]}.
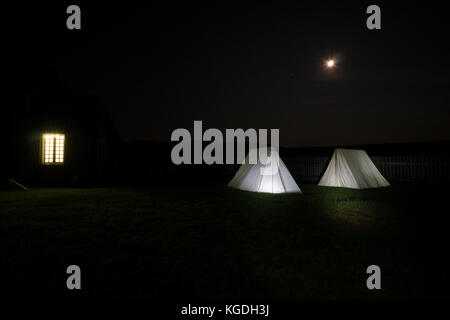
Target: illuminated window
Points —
{"points": [[52, 148]]}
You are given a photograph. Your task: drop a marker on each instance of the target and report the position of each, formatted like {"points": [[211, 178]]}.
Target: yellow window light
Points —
{"points": [[53, 148]]}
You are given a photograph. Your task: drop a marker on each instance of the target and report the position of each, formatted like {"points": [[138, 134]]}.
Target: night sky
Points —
{"points": [[158, 68]]}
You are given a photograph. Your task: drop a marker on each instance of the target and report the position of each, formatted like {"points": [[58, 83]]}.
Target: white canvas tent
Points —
{"points": [[352, 169], [269, 176]]}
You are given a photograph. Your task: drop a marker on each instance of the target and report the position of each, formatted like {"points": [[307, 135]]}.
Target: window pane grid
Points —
{"points": [[53, 148]]}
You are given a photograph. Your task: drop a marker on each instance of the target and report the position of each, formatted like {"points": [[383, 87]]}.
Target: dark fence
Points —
{"points": [[306, 168], [411, 168]]}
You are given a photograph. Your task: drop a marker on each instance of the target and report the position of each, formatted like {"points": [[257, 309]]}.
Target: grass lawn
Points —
{"points": [[216, 242]]}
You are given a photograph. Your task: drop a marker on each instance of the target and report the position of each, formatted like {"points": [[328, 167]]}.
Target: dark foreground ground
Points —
{"points": [[215, 242]]}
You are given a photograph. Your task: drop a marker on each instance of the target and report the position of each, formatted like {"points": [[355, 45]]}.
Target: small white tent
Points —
{"points": [[352, 169], [269, 176]]}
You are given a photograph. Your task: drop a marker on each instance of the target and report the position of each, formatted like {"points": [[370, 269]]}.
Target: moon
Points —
{"points": [[330, 63]]}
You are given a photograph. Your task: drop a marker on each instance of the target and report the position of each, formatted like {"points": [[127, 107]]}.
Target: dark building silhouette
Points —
{"points": [[88, 153]]}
